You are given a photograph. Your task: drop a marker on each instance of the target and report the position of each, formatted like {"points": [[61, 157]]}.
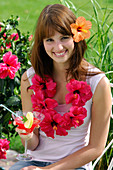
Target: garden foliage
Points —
{"points": [[99, 51], [14, 60]]}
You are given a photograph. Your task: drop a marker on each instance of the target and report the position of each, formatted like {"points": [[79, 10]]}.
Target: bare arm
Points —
{"points": [[101, 109], [27, 106]]}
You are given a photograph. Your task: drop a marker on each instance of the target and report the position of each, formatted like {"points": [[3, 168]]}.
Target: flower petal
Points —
{"points": [[80, 29]]}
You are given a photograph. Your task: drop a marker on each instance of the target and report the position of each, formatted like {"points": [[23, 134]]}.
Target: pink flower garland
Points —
{"points": [[44, 91]]}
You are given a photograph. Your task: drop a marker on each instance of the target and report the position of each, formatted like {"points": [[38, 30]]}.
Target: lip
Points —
{"points": [[60, 54]]}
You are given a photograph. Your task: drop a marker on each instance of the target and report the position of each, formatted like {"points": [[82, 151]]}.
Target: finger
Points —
{"points": [[29, 168]]}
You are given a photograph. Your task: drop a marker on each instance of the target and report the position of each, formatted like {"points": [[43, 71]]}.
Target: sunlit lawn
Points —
{"points": [[29, 10]]}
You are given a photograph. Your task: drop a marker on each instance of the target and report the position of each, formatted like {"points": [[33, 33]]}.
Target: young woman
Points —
{"points": [[74, 96]]}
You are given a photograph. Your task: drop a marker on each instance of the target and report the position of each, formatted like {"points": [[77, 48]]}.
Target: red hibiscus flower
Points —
{"points": [[47, 86], [10, 122], [10, 65], [4, 145], [14, 36], [79, 92], [38, 83], [74, 118], [50, 90], [8, 45], [40, 105], [51, 124]]}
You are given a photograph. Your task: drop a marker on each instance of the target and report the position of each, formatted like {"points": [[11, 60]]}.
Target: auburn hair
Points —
{"points": [[58, 18]]}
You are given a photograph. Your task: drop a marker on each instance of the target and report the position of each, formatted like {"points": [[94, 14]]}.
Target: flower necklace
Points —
{"points": [[44, 91], [79, 94]]}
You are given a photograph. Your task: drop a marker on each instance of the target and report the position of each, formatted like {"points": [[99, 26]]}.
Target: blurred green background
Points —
{"points": [[29, 10], [102, 43]]}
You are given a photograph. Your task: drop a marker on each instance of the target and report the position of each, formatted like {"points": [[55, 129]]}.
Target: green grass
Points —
{"points": [[15, 144], [29, 10]]}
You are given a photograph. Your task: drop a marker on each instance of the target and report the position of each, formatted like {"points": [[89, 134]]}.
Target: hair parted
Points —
{"points": [[58, 18]]}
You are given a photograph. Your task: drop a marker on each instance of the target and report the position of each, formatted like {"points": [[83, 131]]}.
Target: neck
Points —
{"points": [[59, 72]]}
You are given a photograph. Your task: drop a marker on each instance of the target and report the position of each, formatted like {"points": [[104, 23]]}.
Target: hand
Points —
{"points": [[32, 168], [22, 133]]}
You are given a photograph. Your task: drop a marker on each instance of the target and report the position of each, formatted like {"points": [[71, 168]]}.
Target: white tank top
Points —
{"points": [[52, 150]]}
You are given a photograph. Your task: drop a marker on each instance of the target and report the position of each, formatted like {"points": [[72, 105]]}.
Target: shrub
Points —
{"points": [[14, 60]]}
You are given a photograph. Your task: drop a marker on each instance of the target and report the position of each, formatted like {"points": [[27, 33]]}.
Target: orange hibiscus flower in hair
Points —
{"points": [[80, 29]]}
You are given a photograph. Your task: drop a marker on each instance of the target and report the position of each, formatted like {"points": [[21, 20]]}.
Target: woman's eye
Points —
{"points": [[65, 38], [49, 39]]}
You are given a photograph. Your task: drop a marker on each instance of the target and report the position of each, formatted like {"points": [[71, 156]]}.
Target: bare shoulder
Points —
{"points": [[25, 84], [25, 80], [103, 84], [24, 75], [103, 90]]}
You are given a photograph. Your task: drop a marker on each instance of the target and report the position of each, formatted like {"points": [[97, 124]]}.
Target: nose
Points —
{"points": [[58, 46]]}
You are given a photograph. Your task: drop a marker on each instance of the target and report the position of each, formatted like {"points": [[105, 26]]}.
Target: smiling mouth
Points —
{"points": [[60, 54]]}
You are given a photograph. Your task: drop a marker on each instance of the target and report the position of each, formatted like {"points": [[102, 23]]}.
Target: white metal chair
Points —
{"points": [[110, 167]]}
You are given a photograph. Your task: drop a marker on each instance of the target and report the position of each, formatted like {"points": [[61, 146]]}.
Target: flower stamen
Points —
{"points": [[79, 29], [54, 127]]}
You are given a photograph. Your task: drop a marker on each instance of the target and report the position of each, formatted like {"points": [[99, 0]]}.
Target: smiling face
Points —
{"points": [[53, 43], [59, 47]]}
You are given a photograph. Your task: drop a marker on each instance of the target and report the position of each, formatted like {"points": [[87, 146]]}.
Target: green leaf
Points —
{"points": [[13, 101], [24, 119]]}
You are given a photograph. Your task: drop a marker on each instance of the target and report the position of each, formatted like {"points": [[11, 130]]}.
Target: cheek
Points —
{"points": [[71, 44], [46, 47], [48, 50]]}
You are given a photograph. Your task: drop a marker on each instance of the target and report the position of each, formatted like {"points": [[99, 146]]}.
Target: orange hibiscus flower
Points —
{"points": [[80, 29]]}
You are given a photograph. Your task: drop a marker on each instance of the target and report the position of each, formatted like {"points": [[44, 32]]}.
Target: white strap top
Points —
{"points": [[52, 150]]}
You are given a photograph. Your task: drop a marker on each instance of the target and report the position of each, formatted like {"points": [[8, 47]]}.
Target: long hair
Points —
{"points": [[58, 18]]}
